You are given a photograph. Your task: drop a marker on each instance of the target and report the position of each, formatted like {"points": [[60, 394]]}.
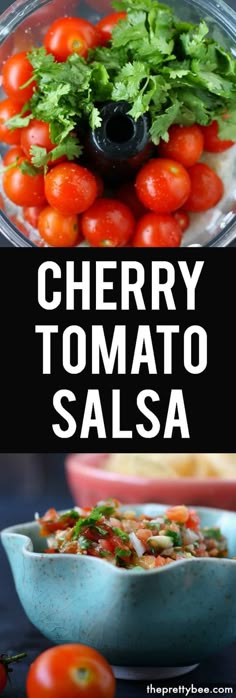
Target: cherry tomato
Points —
{"points": [[37, 133], [185, 145], [23, 189], [163, 185], [155, 230], [58, 230], [182, 219], [71, 35], [108, 223], [8, 109], [206, 188], [127, 194], [16, 72], [13, 155], [31, 214], [70, 188], [107, 24], [212, 142], [70, 671], [3, 677]]}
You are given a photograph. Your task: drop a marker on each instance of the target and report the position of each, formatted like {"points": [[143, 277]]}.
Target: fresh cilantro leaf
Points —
{"points": [[93, 520], [192, 41], [104, 553], [72, 514], [84, 543], [122, 554], [39, 156], [175, 536], [27, 168], [214, 533], [18, 121], [162, 122], [121, 534]]}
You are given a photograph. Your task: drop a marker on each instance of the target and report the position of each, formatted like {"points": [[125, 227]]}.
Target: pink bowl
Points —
{"points": [[89, 483]]}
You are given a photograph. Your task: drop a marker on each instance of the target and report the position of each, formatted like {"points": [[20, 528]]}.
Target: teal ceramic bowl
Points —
{"points": [[155, 623]]}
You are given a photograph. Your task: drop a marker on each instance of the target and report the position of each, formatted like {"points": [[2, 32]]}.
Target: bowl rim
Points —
{"points": [[113, 476], [16, 11], [17, 531]]}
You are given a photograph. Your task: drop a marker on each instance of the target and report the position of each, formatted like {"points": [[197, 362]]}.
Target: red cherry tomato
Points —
{"points": [[107, 24], [127, 194], [37, 133], [16, 72], [182, 219], [8, 109], [31, 214], [206, 188], [74, 671], [185, 145], [71, 35], [70, 188], [163, 185], [13, 155], [3, 677], [155, 230], [212, 142], [58, 230], [108, 223], [23, 189]]}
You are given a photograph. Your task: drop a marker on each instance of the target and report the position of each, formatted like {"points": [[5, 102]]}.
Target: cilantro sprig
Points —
{"points": [[161, 65], [93, 520]]}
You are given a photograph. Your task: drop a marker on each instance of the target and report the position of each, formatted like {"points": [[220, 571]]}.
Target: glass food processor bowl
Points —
{"points": [[24, 25]]}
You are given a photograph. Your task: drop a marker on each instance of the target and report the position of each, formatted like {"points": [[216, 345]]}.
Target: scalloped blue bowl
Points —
{"points": [[155, 623]]}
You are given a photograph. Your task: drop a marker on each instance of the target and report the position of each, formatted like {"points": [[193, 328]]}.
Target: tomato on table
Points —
{"points": [[212, 142], [108, 223], [58, 230], [70, 671], [71, 35], [31, 214], [16, 72], [107, 24], [156, 230], [8, 109], [13, 155], [70, 188], [185, 144], [182, 219], [163, 185], [127, 194], [22, 188], [206, 188], [3, 677]]}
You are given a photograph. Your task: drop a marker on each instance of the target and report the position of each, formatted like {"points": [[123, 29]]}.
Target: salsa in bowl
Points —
{"points": [[123, 137], [175, 615]]}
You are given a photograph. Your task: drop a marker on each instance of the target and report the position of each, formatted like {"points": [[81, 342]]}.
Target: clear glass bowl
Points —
{"points": [[24, 24]]}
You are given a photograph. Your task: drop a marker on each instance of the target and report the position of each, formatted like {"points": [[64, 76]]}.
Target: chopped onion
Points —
{"points": [[138, 546], [189, 536], [51, 541]]}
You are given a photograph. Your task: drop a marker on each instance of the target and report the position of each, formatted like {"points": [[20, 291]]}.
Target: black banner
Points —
{"points": [[139, 357]]}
